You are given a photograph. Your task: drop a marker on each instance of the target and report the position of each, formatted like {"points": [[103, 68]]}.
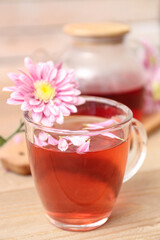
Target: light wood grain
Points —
{"points": [[25, 27], [151, 122], [25, 13], [34, 42], [152, 160], [135, 216], [10, 181], [14, 157]]}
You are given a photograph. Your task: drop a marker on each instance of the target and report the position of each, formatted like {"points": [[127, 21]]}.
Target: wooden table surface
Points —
{"points": [[33, 28], [136, 214]]}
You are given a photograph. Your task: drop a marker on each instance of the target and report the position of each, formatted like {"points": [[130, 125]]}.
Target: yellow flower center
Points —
{"points": [[156, 90], [152, 60], [44, 91]]}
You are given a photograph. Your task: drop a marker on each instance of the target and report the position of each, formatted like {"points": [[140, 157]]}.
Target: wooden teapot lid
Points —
{"points": [[98, 30]]}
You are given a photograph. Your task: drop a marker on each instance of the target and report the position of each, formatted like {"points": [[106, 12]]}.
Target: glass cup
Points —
{"points": [[79, 167]]}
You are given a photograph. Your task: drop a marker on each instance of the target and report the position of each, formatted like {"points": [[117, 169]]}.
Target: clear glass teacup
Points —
{"points": [[79, 166]]}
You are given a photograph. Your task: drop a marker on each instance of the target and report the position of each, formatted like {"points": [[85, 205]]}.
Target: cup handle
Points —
{"points": [[138, 149]]}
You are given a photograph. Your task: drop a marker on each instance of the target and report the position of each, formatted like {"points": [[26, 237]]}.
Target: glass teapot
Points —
{"points": [[104, 65]]}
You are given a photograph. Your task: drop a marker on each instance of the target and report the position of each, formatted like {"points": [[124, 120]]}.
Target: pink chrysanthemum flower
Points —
{"points": [[152, 94], [48, 92], [150, 58], [151, 66]]}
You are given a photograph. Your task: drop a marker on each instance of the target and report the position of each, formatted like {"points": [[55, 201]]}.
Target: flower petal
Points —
{"points": [[46, 71], [53, 108], [25, 106], [66, 93], [9, 89], [79, 101], [46, 122], [52, 118], [28, 78], [31, 68], [26, 81], [65, 87], [43, 136], [60, 118], [150, 59], [46, 111], [61, 76], [100, 125], [37, 116], [39, 69], [13, 76], [62, 145], [78, 140], [59, 66], [72, 108], [52, 141], [66, 98], [38, 109], [34, 101], [65, 111], [110, 135], [17, 96], [38, 142], [14, 101], [52, 75], [83, 148]]}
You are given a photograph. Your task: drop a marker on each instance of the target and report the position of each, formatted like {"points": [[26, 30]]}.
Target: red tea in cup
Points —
{"points": [[79, 188], [79, 166]]}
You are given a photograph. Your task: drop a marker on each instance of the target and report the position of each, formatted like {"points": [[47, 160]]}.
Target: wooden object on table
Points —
{"points": [[13, 156], [151, 122], [99, 30]]}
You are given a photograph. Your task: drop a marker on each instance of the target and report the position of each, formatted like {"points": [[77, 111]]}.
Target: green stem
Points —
{"points": [[18, 130]]}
